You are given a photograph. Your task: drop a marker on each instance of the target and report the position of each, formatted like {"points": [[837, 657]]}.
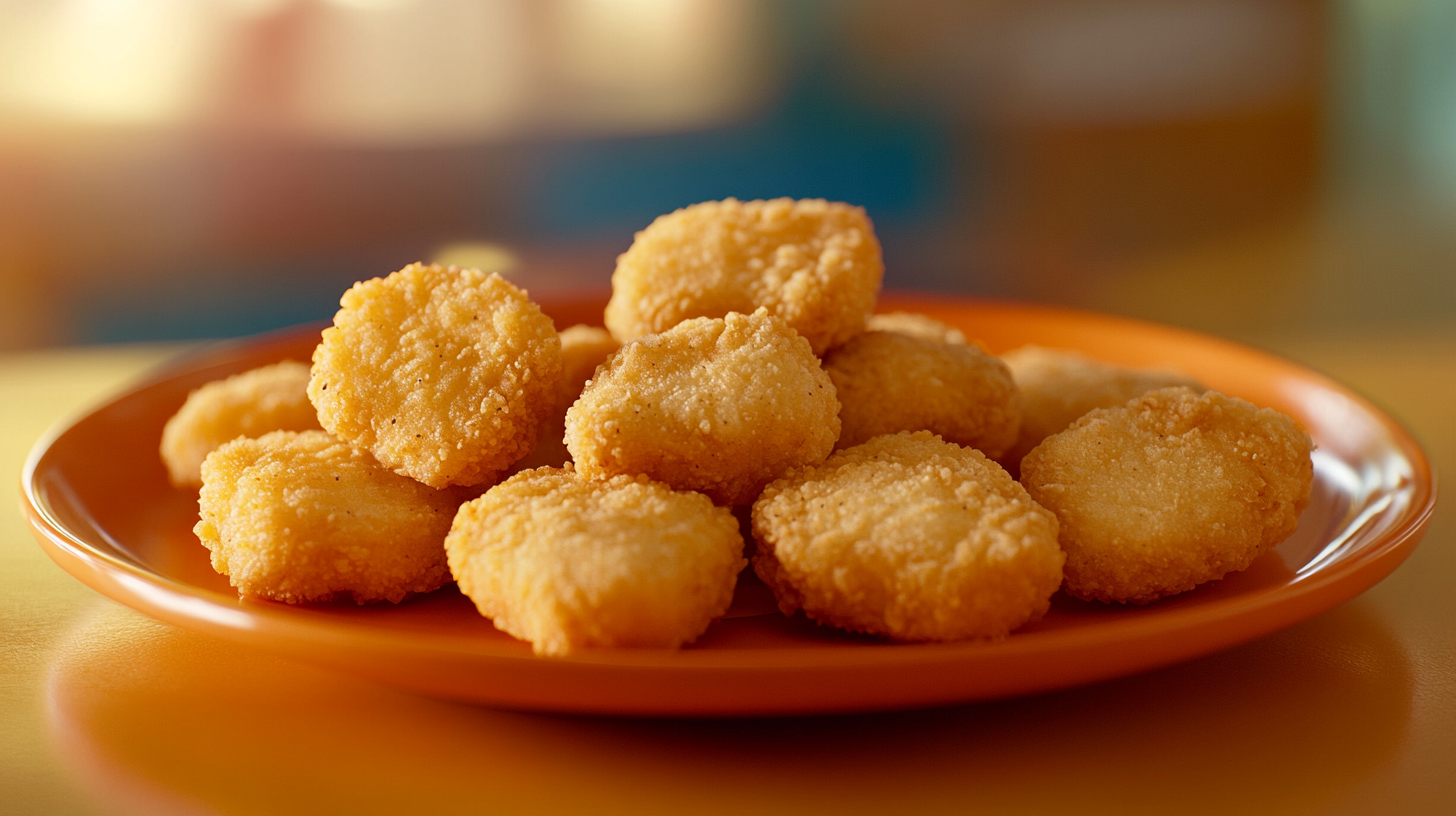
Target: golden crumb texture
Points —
{"points": [[915, 324], [813, 263], [909, 537], [1059, 386], [583, 349], [571, 563], [1173, 489], [304, 517], [446, 375], [253, 403], [889, 382], [718, 405]]}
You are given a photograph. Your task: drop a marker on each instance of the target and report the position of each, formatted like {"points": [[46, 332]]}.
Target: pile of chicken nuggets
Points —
{"points": [[580, 486]]}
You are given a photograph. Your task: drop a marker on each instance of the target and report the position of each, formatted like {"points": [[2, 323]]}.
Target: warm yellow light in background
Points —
{"points": [[480, 255], [635, 64], [390, 72], [127, 62]]}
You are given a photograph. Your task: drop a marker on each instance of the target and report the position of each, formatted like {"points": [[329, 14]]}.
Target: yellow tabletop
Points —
{"points": [[103, 710]]}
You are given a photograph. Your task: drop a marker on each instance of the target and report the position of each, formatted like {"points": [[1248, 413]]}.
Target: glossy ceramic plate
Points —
{"points": [[101, 506]]}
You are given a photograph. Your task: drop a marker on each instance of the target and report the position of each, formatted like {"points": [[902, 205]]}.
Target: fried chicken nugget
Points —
{"points": [[889, 382], [916, 325], [304, 517], [815, 264], [568, 563], [446, 375], [270, 398], [1173, 489], [718, 405], [583, 348], [1059, 386], [909, 537]]}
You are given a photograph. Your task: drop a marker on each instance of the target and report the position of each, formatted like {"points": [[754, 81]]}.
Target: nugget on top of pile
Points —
{"points": [[814, 264], [742, 368]]}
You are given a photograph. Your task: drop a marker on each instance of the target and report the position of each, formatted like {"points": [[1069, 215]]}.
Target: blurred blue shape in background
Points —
{"points": [[816, 139], [893, 167]]}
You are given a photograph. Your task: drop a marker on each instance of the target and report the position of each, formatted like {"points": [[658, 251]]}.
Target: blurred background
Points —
{"points": [[174, 169]]}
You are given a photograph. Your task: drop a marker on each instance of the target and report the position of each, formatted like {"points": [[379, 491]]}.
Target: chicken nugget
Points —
{"points": [[271, 398], [889, 382], [583, 348], [815, 264], [446, 375], [304, 517], [916, 325], [1058, 386], [569, 563], [718, 405], [909, 537], [1173, 489]]}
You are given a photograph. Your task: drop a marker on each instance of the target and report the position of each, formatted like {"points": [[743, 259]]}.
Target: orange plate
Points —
{"points": [[100, 504]]}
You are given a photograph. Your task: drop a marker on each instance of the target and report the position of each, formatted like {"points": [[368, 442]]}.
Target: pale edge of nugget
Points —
{"points": [[1059, 386], [915, 324], [569, 563], [269, 398], [583, 350], [1169, 491], [718, 405], [889, 382], [446, 375], [814, 264], [304, 517], [909, 537]]}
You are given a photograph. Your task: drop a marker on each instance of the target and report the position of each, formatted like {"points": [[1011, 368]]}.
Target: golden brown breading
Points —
{"points": [[889, 382], [718, 405], [916, 325], [813, 263], [270, 398], [1169, 491], [1059, 386], [446, 375], [304, 517], [583, 348], [909, 537], [569, 563]]}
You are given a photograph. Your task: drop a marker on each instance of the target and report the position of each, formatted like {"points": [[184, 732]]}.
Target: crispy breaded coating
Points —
{"points": [[916, 325], [270, 398], [569, 563], [814, 263], [304, 517], [1170, 490], [446, 375], [909, 537], [1059, 386], [889, 382], [718, 405], [583, 348]]}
